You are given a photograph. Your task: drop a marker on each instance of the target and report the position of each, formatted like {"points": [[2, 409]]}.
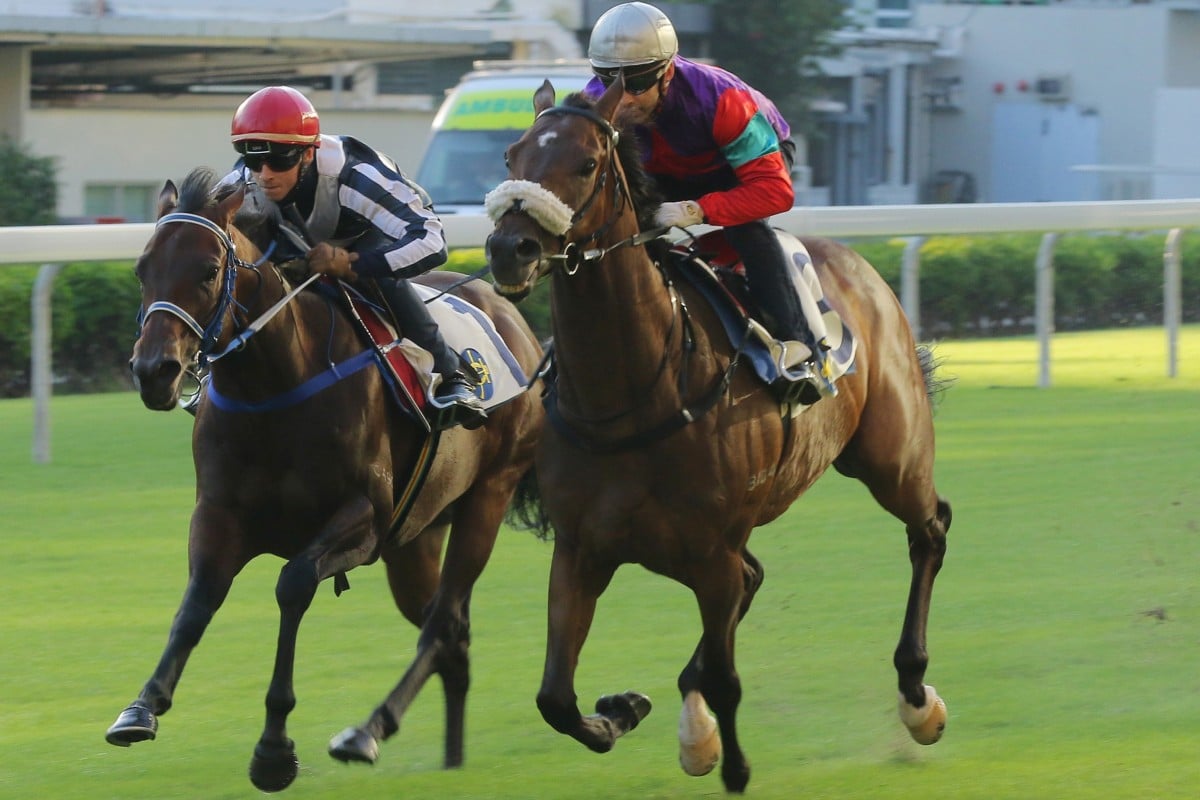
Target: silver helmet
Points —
{"points": [[630, 35]]}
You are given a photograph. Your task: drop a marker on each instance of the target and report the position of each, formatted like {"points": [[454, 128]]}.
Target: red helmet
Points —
{"points": [[276, 114]]}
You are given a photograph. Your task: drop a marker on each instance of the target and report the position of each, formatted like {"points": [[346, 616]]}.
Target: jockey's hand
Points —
{"points": [[680, 215], [333, 261]]}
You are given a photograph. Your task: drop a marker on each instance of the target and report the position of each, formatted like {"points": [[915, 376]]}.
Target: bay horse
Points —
{"points": [[315, 480], [662, 452]]}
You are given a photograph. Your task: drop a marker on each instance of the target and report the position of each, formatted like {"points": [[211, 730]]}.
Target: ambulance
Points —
{"points": [[487, 111]]}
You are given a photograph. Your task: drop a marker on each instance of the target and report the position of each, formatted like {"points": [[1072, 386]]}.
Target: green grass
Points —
{"points": [[1063, 635]]}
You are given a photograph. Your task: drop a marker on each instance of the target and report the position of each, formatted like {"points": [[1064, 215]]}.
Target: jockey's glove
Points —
{"points": [[333, 261], [680, 215]]}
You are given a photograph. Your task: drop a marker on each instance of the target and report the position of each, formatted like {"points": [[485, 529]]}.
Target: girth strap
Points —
{"points": [[676, 421]]}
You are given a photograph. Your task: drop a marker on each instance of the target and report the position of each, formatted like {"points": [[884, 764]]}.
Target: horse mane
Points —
{"points": [[196, 192], [203, 188], [642, 191]]}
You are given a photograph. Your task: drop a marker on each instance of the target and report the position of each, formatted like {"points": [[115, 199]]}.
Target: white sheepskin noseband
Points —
{"points": [[535, 200]]}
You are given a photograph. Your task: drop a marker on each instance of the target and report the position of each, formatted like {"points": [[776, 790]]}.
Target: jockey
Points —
{"points": [[719, 152], [350, 212]]}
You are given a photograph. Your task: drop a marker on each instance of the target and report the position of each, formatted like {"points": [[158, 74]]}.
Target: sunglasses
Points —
{"points": [[634, 84], [278, 161]]}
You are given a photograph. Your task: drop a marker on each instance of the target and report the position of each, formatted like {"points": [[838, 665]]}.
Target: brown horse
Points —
{"points": [[663, 453], [317, 481]]}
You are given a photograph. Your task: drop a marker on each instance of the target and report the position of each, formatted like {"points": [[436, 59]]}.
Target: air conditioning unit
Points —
{"points": [[1053, 88]]}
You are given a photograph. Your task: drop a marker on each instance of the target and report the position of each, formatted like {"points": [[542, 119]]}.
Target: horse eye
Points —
{"points": [[213, 272], [588, 168]]}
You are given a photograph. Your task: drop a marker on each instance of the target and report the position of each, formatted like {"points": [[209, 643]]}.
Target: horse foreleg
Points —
{"points": [[575, 587], [721, 589], [211, 571], [699, 738], [345, 543], [920, 708]]}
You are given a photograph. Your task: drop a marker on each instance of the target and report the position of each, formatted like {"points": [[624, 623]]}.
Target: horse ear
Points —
{"points": [[543, 98], [607, 105], [229, 205], [168, 199]]}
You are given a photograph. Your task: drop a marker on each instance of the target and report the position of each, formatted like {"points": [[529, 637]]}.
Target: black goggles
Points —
{"points": [[634, 84], [279, 159]]}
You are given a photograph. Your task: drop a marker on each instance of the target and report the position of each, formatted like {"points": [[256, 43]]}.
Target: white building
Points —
{"points": [[127, 93], [1070, 101]]}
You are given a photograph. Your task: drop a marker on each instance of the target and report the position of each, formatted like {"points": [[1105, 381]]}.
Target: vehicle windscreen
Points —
{"points": [[461, 166]]}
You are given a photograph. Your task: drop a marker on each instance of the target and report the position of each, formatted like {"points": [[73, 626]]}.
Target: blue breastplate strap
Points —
{"points": [[302, 392]]}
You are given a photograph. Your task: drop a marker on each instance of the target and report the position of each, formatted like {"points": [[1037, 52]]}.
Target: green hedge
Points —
{"points": [[94, 309], [984, 285], [970, 286]]}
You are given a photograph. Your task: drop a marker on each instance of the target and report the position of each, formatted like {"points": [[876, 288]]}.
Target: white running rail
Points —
{"points": [[53, 245]]}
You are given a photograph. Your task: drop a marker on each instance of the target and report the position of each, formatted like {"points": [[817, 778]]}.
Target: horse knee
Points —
{"points": [[944, 514], [190, 624], [297, 585], [929, 538]]}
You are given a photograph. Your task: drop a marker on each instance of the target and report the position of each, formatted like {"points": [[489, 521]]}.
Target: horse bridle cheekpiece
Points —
{"points": [[555, 216], [210, 333]]}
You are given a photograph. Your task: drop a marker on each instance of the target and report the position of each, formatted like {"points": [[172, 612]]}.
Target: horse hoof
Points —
{"points": [[627, 709], [925, 724], [274, 767], [136, 723], [699, 740], [354, 744]]}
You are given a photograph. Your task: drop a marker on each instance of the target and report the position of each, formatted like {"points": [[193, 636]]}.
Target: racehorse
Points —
{"points": [[315, 479], [663, 452]]}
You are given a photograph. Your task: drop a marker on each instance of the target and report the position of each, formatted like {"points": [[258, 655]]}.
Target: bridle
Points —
{"points": [[210, 333], [559, 219]]}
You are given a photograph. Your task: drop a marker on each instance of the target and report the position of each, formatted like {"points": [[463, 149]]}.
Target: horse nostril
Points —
{"points": [[528, 251], [162, 372], [168, 371]]}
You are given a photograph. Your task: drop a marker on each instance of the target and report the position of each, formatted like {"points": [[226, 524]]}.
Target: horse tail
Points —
{"points": [[525, 511], [935, 383]]}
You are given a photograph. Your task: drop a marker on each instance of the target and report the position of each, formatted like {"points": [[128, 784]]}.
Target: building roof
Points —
{"points": [[103, 53]]}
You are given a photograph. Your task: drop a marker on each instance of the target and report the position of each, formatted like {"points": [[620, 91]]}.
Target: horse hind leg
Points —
{"points": [[444, 641], [414, 574], [921, 710]]}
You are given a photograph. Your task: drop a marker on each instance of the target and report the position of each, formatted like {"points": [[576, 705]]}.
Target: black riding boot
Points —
{"points": [[770, 284], [457, 387], [772, 290]]}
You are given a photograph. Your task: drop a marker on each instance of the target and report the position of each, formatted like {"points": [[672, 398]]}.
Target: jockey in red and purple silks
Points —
{"points": [[721, 138], [719, 152]]}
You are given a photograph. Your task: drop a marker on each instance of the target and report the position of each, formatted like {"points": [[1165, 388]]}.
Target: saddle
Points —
{"points": [[710, 264], [408, 369]]}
